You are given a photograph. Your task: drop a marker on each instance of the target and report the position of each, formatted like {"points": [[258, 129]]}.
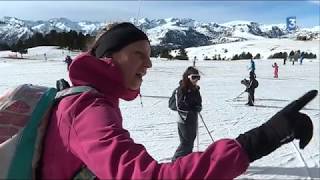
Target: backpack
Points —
{"points": [[255, 83], [24, 115], [173, 101], [245, 82]]}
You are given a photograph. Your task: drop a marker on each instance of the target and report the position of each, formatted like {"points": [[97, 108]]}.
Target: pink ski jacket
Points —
{"points": [[86, 130]]}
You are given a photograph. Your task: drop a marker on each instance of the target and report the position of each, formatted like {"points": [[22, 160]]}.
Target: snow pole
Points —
{"points": [[233, 99], [141, 100], [198, 136], [206, 126], [239, 95], [138, 16]]}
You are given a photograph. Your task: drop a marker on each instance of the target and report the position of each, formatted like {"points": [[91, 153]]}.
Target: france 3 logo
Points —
{"points": [[291, 23]]}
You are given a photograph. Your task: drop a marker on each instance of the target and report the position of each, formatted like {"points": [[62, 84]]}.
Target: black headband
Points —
{"points": [[117, 38]]}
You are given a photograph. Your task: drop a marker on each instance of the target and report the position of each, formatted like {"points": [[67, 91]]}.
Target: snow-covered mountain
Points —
{"points": [[174, 32], [12, 29], [188, 32]]}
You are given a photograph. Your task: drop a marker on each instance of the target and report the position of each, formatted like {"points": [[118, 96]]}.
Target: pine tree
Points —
{"points": [[182, 55], [165, 54], [20, 48]]}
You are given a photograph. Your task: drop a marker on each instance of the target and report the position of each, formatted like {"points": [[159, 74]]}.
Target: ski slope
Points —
{"points": [[152, 124], [265, 47]]}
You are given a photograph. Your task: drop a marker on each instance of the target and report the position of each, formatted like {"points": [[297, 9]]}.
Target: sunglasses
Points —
{"points": [[194, 77]]}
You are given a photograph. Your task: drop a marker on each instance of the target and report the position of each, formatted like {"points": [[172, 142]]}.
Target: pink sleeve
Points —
{"points": [[98, 139]]}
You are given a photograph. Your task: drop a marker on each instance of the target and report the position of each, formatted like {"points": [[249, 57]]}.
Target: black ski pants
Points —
{"points": [[187, 134], [251, 97]]}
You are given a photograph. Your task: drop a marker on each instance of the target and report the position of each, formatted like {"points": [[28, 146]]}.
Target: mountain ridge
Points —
{"points": [[169, 32]]}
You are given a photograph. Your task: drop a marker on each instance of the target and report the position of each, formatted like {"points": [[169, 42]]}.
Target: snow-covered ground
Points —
{"points": [[49, 53], [152, 124]]}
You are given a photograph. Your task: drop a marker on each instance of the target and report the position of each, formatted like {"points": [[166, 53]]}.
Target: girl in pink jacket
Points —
{"points": [[85, 130], [276, 69]]}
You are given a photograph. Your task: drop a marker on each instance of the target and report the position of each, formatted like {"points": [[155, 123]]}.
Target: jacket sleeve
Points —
{"points": [[99, 141], [189, 101], [196, 103], [182, 101]]}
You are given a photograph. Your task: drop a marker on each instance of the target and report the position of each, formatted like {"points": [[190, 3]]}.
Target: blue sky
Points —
{"points": [[267, 12]]}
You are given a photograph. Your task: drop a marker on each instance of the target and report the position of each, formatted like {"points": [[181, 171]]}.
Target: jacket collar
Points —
{"points": [[101, 74]]}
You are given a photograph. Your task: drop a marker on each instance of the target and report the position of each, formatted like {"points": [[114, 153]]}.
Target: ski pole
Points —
{"points": [[141, 100], [240, 94], [198, 136], [237, 96], [206, 126]]}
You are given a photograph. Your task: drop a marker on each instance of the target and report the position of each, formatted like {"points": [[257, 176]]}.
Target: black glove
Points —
{"points": [[198, 108], [283, 127]]}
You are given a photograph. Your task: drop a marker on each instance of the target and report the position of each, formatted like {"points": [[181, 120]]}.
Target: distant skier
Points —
{"points": [[285, 58], [194, 61], [45, 56], [291, 54], [251, 85], [189, 104], [68, 60], [276, 68], [301, 58], [296, 56], [252, 66]]}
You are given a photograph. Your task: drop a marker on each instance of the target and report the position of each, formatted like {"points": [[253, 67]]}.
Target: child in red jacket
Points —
{"points": [[276, 68]]}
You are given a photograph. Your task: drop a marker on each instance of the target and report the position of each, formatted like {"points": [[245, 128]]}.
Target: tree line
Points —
{"points": [[74, 40], [71, 40], [282, 55]]}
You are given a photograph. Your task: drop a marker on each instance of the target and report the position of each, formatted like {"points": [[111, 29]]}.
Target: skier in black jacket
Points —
{"points": [[189, 104], [250, 88]]}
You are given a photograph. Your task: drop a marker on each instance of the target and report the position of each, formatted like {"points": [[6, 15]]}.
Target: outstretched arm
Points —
{"points": [[285, 126], [98, 139]]}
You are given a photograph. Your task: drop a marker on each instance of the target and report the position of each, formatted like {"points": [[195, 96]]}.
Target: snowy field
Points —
{"points": [[265, 47], [152, 124]]}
